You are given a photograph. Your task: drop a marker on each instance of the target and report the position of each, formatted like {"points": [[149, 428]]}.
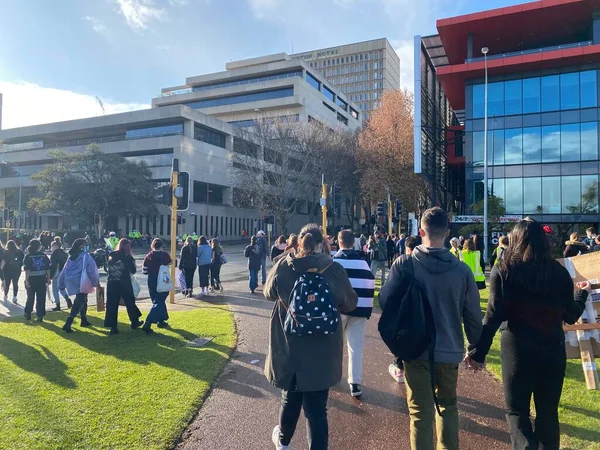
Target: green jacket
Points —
{"points": [[473, 260]]}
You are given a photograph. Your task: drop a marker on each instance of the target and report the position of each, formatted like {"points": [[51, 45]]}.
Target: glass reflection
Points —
{"points": [[570, 143], [497, 144], [496, 188], [589, 88], [532, 195], [551, 143], [513, 146], [532, 145], [512, 94], [495, 99], [513, 195], [589, 141], [550, 93], [571, 195], [531, 95], [569, 90], [589, 194], [478, 103], [551, 195], [478, 148]]}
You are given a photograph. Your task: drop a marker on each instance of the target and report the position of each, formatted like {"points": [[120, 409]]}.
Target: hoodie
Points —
{"points": [[454, 298], [574, 248], [70, 277]]}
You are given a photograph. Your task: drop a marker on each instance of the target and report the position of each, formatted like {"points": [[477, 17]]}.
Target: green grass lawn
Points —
{"points": [[88, 390], [579, 408]]}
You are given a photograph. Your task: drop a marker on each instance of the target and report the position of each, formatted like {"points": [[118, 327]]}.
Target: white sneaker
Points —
{"points": [[396, 373], [276, 441], [15, 300]]}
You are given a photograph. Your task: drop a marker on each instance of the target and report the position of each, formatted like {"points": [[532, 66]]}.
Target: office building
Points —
{"points": [[542, 108], [265, 88], [361, 71]]}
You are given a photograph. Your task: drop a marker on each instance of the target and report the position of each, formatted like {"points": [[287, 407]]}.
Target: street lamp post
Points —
{"points": [[485, 51], [6, 163]]}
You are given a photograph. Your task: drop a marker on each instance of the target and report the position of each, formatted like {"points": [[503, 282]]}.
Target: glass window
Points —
{"points": [[497, 188], [532, 145], [513, 97], [571, 195], [589, 194], [495, 99], [551, 195], [478, 148], [570, 142], [513, 201], [342, 104], [328, 93], [496, 143], [154, 131], [478, 104], [589, 88], [532, 198], [550, 93], [569, 90], [312, 81], [551, 143], [531, 95], [209, 136], [242, 98], [589, 141], [513, 146]]}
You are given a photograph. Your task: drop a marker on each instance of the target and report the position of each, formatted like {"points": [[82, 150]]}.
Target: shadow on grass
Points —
{"points": [[43, 363]]}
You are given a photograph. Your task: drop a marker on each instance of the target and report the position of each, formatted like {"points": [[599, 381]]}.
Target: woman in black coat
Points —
{"points": [[187, 264]]}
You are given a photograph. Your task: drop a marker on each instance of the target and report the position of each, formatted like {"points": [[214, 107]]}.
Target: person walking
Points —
{"points": [[121, 267], [187, 264], [531, 295], [454, 248], [151, 266], [480, 247], [355, 322], [58, 259], [378, 249], [391, 250], [215, 266], [472, 258], [278, 248], [252, 252], [401, 245], [498, 252], [575, 247], [305, 367], [264, 251], [11, 264], [69, 282], [204, 261], [449, 287], [37, 278]]}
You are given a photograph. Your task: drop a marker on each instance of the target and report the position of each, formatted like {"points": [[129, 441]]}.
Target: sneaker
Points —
{"points": [[15, 299], [114, 330], [162, 325], [56, 308], [136, 325], [40, 319], [276, 441], [27, 316], [396, 373], [355, 390], [85, 323]]}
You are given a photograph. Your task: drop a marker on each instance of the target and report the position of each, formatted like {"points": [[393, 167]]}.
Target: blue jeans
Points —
{"points": [[263, 264], [55, 292], [158, 312], [253, 279]]}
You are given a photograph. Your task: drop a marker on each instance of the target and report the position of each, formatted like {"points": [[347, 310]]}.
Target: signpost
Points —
{"points": [[324, 204]]}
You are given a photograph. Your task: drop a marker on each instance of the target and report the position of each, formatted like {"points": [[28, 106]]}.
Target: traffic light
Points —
{"points": [[183, 202], [373, 219], [11, 214], [398, 208], [269, 220], [6, 214], [164, 195], [381, 209], [180, 220], [337, 195]]}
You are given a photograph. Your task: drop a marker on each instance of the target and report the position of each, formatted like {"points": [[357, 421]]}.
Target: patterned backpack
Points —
{"points": [[311, 309]]}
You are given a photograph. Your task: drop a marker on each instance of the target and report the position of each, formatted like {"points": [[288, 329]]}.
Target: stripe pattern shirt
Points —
{"points": [[361, 279]]}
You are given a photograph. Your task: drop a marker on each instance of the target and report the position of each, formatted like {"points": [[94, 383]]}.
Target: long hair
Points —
{"points": [[469, 245], [77, 246], [309, 239], [292, 242], [34, 246], [214, 244], [157, 244], [11, 247], [202, 241], [124, 245]]}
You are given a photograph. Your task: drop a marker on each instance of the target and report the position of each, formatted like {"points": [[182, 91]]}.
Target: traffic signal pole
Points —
{"points": [[390, 213], [324, 204], [174, 212]]}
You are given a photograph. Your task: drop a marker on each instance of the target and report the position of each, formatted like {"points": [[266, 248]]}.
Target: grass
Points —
{"points": [[579, 409], [88, 390]]}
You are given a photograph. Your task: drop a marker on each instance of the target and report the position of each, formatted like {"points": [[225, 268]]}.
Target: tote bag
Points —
{"points": [[135, 285], [85, 284], [164, 282]]}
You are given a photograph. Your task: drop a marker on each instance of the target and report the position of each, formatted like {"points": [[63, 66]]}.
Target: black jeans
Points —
{"points": [[36, 292], [79, 306], [114, 293], [189, 278], [11, 276], [215, 276], [528, 369], [203, 272], [315, 411]]}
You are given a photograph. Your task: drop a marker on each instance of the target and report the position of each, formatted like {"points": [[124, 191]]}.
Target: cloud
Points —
{"points": [[30, 104], [262, 7], [139, 13], [405, 51], [344, 3], [97, 26], [163, 47]]}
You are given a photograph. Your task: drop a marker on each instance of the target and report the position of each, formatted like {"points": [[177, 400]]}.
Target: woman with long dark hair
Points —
{"points": [[121, 266], [305, 367], [204, 261], [215, 265], [151, 267], [187, 264], [11, 264], [531, 295], [480, 247], [37, 278]]}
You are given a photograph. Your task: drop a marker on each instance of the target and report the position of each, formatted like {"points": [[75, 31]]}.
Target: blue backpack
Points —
{"points": [[311, 309]]}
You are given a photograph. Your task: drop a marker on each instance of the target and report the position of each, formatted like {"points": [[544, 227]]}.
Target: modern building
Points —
{"points": [[361, 71], [542, 108], [267, 87]]}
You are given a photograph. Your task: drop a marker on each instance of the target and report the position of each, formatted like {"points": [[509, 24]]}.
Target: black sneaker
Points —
{"points": [[27, 316], [40, 319], [162, 325], [56, 308], [85, 323], [136, 325], [355, 390], [114, 330]]}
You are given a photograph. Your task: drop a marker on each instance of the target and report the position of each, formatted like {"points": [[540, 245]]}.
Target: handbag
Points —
{"points": [[85, 284], [223, 258], [164, 282], [100, 305], [180, 276], [135, 285]]}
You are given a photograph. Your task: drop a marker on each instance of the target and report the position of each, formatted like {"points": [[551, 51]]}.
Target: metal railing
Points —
{"points": [[532, 51]]}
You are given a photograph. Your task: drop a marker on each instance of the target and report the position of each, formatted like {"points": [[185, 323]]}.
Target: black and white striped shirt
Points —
{"points": [[361, 279]]}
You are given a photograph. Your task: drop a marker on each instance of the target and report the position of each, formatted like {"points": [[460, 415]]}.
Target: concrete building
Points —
{"points": [[269, 87], [361, 71], [542, 108]]}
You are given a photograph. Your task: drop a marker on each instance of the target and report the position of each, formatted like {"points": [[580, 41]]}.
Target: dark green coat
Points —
{"points": [[316, 361]]}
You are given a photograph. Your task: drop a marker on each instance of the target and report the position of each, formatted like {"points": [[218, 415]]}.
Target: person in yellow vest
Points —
{"points": [[195, 238], [499, 251], [454, 248], [113, 240], [472, 258]]}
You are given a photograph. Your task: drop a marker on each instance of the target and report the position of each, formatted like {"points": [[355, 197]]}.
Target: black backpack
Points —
{"points": [[406, 324]]}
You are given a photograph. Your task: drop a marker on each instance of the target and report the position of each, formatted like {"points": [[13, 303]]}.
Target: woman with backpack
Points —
{"points": [[187, 264], [215, 265], [12, 262], [69, 281], [37, 278], [306, 365], [204, 261], [151, 267]]}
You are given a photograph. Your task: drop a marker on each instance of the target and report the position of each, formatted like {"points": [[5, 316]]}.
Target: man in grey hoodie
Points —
{"points": [[451, 290]]}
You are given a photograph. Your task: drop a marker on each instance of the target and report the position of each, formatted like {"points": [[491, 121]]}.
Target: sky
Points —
{"points": [[57, 57]]}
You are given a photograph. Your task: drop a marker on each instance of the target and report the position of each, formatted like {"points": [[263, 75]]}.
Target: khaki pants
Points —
{"points": [[422, 407], [354, 331]]}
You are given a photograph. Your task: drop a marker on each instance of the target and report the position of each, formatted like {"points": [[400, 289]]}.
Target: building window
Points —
{"points": [[328, 93], [589, 89], [242, 98], [532, 198], [551, 195], [550, 93], [495, 99], [354, 113], [531, 95], [248, 81], [589, 141], [551, 143], [570, 143], [532, 145], [342, 104], [312, 80], [342, 118], [209, 136], [165, 130], [513, 146], [513, 97], [569, 91]]}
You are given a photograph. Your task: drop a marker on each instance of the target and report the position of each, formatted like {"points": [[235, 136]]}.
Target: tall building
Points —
{"points": [[362, 70], [268, 87], [542, 107]]}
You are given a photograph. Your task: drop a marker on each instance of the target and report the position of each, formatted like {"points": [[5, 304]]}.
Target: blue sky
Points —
{"points": [[57, 56]]}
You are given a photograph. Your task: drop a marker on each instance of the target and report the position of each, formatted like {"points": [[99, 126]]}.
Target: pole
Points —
{"points": [[390, 213], [174, 183], [324, 203], [485, 163], [20, 196]]}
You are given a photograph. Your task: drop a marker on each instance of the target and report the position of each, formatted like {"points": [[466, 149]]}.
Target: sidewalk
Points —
{"points": [[243, 408]]}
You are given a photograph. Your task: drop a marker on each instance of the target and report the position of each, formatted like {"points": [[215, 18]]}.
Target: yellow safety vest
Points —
{"points": [[473, 260], [456, 253]]}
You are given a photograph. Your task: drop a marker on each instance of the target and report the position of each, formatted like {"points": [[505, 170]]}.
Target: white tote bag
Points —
{"points": [[85, 284], [135, 285], [164, 282]]}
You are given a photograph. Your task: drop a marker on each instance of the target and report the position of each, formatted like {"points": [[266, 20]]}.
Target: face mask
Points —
{"points": [[86, 248]]}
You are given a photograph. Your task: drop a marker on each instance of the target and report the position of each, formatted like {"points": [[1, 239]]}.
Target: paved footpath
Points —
{"points": [[243, 408]]}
